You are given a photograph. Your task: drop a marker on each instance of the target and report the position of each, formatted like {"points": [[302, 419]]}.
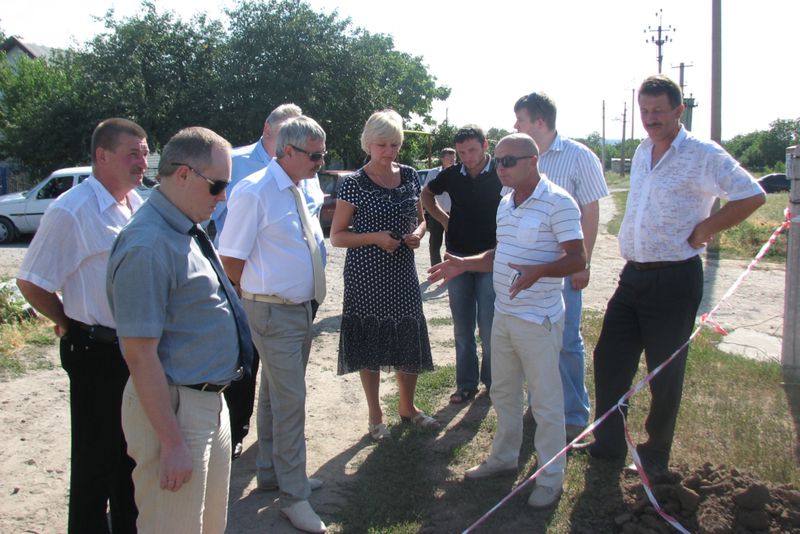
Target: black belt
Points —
{"points": [[647, 266], [213, 388], [101, 334]]}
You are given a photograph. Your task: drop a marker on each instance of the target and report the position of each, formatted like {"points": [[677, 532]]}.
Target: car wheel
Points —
{"points": [[7, 231]]}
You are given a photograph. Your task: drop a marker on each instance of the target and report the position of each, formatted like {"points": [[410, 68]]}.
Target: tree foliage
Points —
{"points": [[166, 73], [761, 151]]}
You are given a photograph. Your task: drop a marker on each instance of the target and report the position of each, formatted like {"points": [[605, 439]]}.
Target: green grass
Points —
{"points": [[735, 412], [614, 180], [744, 240], [18, 346]]}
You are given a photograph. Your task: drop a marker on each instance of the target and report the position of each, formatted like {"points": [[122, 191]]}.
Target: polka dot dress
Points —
{"points": [[383, 326]]}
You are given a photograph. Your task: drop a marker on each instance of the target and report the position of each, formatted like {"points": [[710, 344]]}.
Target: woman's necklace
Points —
{"points": [[383, 179]]}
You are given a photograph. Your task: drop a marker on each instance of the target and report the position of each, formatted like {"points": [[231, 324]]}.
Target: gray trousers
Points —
{"points": [[282, 335]]}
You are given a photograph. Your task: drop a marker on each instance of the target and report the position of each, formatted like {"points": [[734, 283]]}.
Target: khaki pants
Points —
{"points": [[523, 350], [201, 505]]}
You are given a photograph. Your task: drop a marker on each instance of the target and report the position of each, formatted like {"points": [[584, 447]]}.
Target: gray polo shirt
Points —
{"points": [[160, 285]]}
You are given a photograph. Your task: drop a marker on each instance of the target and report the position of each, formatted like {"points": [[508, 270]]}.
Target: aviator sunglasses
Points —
{"points": [[313, 156], [215, 187], [509, 161]]}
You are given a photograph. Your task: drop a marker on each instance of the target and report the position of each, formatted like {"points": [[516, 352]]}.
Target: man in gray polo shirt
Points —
{"points": [[177, 323]]}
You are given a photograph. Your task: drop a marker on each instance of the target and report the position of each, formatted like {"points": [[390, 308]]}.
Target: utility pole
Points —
{"points": [[716, 70], [603, 150], [661, 38], [633, 106], [790, 356], [686, 119], [622, 147]]}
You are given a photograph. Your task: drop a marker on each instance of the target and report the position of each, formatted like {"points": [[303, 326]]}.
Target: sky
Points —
{"points": [[582, 53]]}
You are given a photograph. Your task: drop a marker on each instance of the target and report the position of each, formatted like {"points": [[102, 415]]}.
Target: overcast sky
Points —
{"points": [[580, 52]]}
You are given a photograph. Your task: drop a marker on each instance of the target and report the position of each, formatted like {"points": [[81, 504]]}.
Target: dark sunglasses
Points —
{"points": [[313, 156], [509, 161], [215, 187]]}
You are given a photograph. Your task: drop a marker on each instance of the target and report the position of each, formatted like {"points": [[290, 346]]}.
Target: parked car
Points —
{"points": [[774, 183], [20, 213], [329, 181]]}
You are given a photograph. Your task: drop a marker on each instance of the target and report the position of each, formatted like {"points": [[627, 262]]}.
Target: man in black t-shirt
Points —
{"points": [[470, 228]]}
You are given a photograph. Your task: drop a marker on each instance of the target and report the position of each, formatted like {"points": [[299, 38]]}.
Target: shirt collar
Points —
{"points": [[261, 152], [174, 217], [487, 168], [557, 145], [104, 198], [281, 178]]}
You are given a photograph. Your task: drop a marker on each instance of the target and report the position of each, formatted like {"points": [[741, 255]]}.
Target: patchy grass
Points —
{"points": [[734, 412], [615, 180], [21, 346]]}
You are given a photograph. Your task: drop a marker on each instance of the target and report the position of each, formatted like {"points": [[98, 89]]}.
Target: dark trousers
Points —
{"points": [[100, 469], [651, 310], [435, 238], [240, 397]]}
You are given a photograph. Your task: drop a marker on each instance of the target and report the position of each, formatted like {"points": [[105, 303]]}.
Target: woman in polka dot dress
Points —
{"points": [[379, 220]]}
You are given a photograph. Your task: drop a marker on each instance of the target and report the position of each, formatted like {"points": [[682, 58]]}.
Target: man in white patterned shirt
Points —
{"points": [[70, 254], [577, 169], [674, 180], [539, 241]]}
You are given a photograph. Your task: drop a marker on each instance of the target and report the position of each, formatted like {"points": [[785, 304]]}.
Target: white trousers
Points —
{"points": [[523, 350]]}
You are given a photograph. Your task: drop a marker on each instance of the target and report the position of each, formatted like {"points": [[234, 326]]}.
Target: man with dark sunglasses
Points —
{"points": [[539, 241], [271, 248], [246, 161], [69, 254], [474, 191], [574, 167], [184, 337]]}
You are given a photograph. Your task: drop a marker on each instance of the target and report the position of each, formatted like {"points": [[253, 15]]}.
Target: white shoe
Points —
{"points": [[488, 471], [543, 497], [303, 517]]}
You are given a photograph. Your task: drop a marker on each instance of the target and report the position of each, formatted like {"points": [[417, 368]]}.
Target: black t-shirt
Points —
{"points": [[473, 213]]}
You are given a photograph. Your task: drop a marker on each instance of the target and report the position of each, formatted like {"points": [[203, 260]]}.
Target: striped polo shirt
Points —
{"points": [[574, 167], [531, 234]]}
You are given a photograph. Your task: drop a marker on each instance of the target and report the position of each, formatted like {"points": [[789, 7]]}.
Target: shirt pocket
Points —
{"points": [[528, 230]]}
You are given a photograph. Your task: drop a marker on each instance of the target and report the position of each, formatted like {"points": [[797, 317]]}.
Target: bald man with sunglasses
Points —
{"points": [[539, 242]]}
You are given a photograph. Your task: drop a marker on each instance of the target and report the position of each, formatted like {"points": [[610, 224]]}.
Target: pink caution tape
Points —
{"points": [[705, 319]]}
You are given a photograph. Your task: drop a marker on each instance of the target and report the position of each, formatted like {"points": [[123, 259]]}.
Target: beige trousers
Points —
{"points": [[201, 505]]}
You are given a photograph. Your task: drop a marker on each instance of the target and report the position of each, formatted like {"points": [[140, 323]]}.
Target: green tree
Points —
{"points": [[40, 111]]}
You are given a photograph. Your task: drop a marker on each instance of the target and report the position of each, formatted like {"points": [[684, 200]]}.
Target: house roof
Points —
{"points": [[32, 50]]}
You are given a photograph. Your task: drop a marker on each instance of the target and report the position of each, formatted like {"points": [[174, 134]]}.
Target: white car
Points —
{"points": [[20, 213]]}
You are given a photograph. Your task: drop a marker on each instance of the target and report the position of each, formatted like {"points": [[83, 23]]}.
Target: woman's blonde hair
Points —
{"points": [[386, 125]]}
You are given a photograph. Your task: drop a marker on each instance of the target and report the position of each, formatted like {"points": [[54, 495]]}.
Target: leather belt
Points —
{"points": [[213, 388], [647, 266], [270, 299], [99, 333]]}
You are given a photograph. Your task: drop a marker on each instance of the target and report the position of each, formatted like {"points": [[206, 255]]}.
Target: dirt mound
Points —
{"points": [[712, 500]]}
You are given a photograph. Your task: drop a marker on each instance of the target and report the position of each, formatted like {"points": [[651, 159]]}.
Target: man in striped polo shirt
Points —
{"points": [[539, 241], [577, 169]]}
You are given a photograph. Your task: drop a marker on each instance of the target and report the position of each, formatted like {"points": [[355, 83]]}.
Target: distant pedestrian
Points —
{"points": [[447, 158]]}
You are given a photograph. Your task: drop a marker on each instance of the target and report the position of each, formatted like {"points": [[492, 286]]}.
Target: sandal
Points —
{"points": [[421, 420], [462, 395], [379, 432]]}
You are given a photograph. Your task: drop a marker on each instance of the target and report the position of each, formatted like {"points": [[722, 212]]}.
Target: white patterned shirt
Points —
{"points": [[531, 234], [69, 252], [667, 201], [575, 168]]}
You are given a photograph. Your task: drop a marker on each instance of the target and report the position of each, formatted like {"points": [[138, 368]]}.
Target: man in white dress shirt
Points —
{"points": [[675, 178], [70, 254], [270, 248]]}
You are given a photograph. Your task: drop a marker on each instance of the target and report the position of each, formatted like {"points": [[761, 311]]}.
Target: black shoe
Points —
{"points": [[595, 451], [237, 451]]}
